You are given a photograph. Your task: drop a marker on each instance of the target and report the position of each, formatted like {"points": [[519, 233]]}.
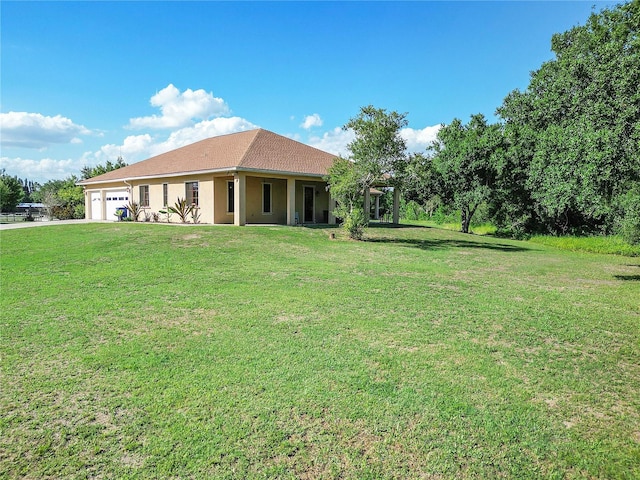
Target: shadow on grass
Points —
{"points": [[628, 278], [372, 225], [435, 244]]}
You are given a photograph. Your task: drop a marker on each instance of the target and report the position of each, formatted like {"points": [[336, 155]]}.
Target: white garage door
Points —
{"points": [[96, 206], [115, 200]]}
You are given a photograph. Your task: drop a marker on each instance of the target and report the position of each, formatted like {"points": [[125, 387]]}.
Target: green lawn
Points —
{"points": [[154, 351]]}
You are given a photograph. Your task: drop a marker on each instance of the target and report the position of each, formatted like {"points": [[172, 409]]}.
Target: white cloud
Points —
{"points": [[140, 147], [133, 148], [181, 109], [202, 130], [39, 170], [34, 130], [334, 141], [418, 140], [311, 121]]}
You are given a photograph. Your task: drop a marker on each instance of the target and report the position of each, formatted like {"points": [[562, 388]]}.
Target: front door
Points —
{"points": [[309, 199]]}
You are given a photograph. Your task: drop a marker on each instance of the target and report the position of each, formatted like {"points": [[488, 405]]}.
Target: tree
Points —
{"points": [[346, 187], [90, 172], [377, 151], [420, 180], [575, 131], [63, 199], [465, 164], [11, 192], [378, 148]]}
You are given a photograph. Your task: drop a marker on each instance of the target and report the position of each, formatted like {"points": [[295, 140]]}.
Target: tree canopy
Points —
{"points": [[465, 163], [11, 192], [90, 172], [575, 131]]}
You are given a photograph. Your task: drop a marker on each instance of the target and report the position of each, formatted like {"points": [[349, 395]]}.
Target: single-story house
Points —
{"points": [[252, 177]]}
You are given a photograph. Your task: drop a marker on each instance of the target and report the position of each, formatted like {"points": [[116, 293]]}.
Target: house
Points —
{"points": [[255, 177]]}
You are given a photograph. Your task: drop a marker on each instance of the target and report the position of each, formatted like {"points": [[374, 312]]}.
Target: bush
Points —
{"points": [[414, 211], [135, 210], [629, 221], [444, 215], [354, 223]]}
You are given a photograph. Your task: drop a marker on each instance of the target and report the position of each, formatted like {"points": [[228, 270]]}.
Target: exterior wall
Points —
{"points": [[321, 209], [278, 213], [177, 189], [212, 197], [220, 200], [104, 190]]}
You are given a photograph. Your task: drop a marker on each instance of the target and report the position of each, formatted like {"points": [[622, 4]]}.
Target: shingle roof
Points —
{"points": [[259, 150]]}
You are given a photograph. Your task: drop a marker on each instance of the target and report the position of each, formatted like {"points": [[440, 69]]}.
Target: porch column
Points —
{"points": [[367, 204], [396, 205], [213, 197], [291, 201], [377, 214], [332, 207], [87, 204], [239, 199], [103, 205]]}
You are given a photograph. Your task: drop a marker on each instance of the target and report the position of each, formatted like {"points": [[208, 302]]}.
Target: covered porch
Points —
{"points": [[242, 198]]}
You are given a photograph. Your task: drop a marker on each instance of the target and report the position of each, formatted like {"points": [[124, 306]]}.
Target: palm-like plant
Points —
{"points": [[182, 209], [135, 210]]}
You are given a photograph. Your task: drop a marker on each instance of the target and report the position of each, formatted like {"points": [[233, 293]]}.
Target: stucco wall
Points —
{"points": [[321, 200], [177, 189], [212, 195], [278, 213]]}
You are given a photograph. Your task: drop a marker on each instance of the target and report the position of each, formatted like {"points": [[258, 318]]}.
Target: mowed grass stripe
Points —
{"points": [[157, 350]]}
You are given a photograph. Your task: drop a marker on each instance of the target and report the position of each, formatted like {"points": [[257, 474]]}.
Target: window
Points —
{"points": [[144, 195], [165, 194], [192, 193], [230, 197], [266, 198]]}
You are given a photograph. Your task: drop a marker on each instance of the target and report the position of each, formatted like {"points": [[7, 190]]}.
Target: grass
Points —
{"points": [[605, 244], [612, 245], [153, 351]]}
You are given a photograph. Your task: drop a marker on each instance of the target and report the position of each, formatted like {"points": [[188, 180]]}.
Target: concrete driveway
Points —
{"points": [[46, 223]]}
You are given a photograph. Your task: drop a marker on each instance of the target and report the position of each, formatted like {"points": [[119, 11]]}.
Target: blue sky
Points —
{"points": [[83, 82]]}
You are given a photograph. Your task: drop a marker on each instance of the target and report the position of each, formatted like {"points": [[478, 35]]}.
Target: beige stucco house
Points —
{"points": [[255, 176]]}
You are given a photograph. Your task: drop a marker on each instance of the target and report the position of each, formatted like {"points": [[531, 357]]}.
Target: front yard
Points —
{"points": [[149, 350]]}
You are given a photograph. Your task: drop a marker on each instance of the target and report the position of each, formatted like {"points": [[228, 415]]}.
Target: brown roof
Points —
{"points": [[253, 150]]}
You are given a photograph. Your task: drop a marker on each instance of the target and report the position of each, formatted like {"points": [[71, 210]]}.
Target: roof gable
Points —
{"points": [[252, 150]]}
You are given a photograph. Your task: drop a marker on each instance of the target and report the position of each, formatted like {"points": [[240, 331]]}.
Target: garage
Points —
{"points": [[113, 201]]}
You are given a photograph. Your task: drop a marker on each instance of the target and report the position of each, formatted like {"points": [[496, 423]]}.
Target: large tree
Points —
{"points": [[575, 131], [465, 162]]}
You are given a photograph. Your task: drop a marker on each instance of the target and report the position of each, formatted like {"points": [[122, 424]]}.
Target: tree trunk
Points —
{"points": [[466, 219]]}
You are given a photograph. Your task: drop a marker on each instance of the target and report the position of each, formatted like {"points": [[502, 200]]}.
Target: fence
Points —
{"points": [[21, 217]]}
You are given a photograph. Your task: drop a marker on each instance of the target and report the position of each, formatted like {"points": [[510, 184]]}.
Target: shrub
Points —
{"points": [[135, 210], [414, 211], [182, 209], [354, 223]]}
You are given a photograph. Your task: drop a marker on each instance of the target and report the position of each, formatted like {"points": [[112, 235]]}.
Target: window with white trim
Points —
{"points": [[144, 195], [191, 193], [165, 194]]}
